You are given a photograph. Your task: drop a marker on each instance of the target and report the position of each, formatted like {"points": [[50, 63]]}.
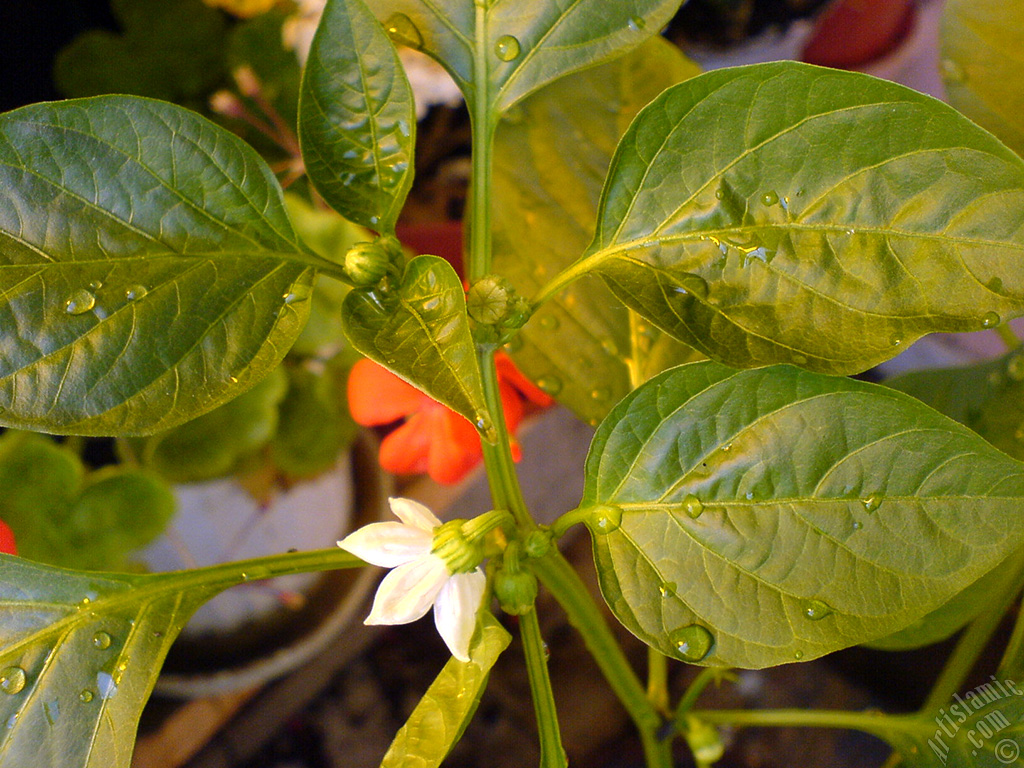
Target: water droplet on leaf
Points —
{"points": [[135, 292], [798, 655], [610, 347], [52, 711], [507, 48], [79, 302], [606, 518], [995, 285], [872, 502], [102, 640], [692, 643], [667, 588], [402, 30], [770, 198], [990, 320], [95, 285], [636, 23], [815, 610], [600, 394], [549, 323], [693, 506], [85, 696], [857, 525], [12, 680]]}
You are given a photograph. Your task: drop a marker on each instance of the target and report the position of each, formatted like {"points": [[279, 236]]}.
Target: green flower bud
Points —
{"points": [[537, 542], [515, 591], [367, 263]]}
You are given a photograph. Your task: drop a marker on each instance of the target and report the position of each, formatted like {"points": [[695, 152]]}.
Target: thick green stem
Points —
{"points": [[482, 122], [569, 590], [1012, 664], [552, 755], [875, 723], [657, 680], [1009, 338]]}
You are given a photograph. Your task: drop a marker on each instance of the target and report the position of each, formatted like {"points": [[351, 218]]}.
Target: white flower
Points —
{"points": [[419, 578]]}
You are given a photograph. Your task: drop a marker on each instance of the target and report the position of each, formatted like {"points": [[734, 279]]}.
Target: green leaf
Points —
{"points": [[420, 332], [163, 279], [557, 192], [982, 55], [169, 49], [357, 119], [80, 654], [438, 721], [754, 518], [788, 213], [951, 616], [520, 50], [214, 444]]}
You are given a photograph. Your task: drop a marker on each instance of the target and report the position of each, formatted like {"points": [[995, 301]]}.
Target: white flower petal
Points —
{"points": [[407, 592], [455, 610], [388, 544], [413, 513]]}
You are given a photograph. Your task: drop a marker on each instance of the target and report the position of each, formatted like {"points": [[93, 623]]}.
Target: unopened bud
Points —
{"points": [[516, 591], [366, 263]]}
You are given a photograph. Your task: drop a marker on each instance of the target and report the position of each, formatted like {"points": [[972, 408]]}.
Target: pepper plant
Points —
{"points": [[697, 276]]}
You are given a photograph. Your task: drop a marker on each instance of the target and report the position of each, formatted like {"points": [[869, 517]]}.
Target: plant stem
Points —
{"points": [[1010, 665], [696, 688], [569, 590], [657, 680], [482, 123], [1009, 338], [552, 754], [875, 723]]}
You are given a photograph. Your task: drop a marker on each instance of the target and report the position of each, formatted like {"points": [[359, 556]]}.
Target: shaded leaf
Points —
{"points": [[168, 49], [357, 119], [522, 48], [163, 280], [982, 48], [438, 721], [787, 213], [754, 518], [214, 444], [555, 194], [420, 332]]}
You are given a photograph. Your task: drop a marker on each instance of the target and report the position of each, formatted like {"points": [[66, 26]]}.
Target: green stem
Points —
{"points": [[569, 590], [875, 723], [1009, 338], [705, 678], [1010, 665], [977, 635], [482, 124], [657, 680], [552, 755]]}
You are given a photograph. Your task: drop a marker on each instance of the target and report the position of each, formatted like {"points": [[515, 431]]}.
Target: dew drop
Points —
{"points": [[720, 194], [85, 696], [799, 360], [636, 23], [600, 394], [895, 340], [770, 198], [546, 651], [102, 640], [431, 308], [135, 292], [484, 425], [692, 643], [815, 610], [52, 711], [693, 506], [507, 48], [95, 285], [606, 518], [551, 385], [857, 525], [549, 323], [12, 680], [233, 379], [403, 128], [798, 655], [105, 685], [375, 220], [610, 347], [667, 588], [872, 502], [1015, 367], [79, 302], [402, 30], [995, 285], [990, 320], [696, 285], [514, 344]]}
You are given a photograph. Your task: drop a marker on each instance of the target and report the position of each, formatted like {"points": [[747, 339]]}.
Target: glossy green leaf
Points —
{"points": [[214, 444], [438, 721], [520, 49], [80, 654], [754, 518], [420, 331], [357, 119], [982, 49], [556, 193], [164, 278], [941, 623], [788, 213]]}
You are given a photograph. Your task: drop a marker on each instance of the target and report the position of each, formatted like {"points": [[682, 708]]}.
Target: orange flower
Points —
{"points": [[7, 545], [433, 438]]}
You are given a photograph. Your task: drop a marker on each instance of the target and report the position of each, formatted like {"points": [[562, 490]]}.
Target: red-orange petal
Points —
{"points": [[507, 371], [7, 544], [455, 449], [376, 396], [406, 451]]}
